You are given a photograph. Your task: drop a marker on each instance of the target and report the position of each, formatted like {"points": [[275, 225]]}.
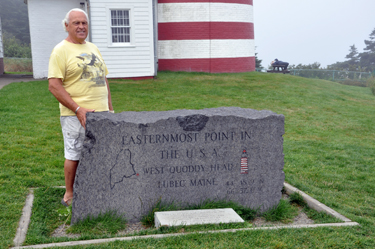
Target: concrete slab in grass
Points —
{"points": [[196, 217]]}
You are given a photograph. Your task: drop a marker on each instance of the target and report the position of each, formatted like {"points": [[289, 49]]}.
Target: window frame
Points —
{"points": [[109, 26]]}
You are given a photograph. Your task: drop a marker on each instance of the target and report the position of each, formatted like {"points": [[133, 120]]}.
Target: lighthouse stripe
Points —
{"points": [[205, 1], [218, 65], [189, 49], [205, 12], [205, 30]]}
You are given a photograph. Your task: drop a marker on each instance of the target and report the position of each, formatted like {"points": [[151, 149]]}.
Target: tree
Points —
{"points": [[258, 62], [315, 65], [353, 57], [310, 71], [353, 63], [353, 54], [361, 62], [350, 65], [342, 66], [14, 48], [370, 44], [367, 59], [367, 62]]}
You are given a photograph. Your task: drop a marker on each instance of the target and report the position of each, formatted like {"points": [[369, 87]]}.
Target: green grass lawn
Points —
{"points": [[328, 146]]}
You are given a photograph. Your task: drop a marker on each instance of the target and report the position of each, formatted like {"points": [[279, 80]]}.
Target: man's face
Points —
{"points": [[77, 27]]}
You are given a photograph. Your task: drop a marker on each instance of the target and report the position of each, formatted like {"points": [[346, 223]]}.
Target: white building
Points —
{"points": [[194, 35]]}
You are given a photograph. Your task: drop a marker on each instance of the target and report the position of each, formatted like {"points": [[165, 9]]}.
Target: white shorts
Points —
{"points": [[74, 134]]}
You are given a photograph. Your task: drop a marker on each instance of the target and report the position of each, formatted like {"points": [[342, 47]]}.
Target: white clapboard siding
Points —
{"points": [[135, 59]]}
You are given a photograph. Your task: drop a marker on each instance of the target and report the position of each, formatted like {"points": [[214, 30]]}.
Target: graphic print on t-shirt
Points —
{"points": [[92, 69]]}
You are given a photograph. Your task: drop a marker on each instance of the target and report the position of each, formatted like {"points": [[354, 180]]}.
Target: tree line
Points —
{"points": [[356, 61], [361, 62]]}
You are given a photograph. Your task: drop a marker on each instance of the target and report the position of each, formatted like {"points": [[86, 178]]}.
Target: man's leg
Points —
{"points": [[70, 168], [74, 135]]}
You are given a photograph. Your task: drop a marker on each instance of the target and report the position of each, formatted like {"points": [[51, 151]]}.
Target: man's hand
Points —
{"points": [[81, 115]]}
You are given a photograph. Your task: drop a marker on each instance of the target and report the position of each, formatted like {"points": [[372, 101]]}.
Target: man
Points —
{"points": [[77, 78]]}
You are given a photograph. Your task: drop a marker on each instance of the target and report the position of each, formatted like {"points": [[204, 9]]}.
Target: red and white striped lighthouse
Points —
{"points": [[213, 36]]}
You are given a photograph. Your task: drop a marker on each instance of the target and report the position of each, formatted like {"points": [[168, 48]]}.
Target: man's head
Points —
{"points": [[76, 24]]}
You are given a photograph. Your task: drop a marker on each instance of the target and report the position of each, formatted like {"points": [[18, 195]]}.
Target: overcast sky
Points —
{"points": [[306, 31]]}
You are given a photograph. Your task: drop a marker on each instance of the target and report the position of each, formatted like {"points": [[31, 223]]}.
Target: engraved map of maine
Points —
{"points": [[123, 168]]}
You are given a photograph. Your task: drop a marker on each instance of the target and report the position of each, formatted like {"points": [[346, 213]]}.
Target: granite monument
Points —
{"points": [[131, 160]]}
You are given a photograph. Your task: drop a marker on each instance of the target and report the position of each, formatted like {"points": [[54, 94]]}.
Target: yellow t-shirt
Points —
{"points": [[82, 71]]}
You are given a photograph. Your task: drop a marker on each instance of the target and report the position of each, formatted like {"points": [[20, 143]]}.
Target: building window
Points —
{"points": [[120, 26]]}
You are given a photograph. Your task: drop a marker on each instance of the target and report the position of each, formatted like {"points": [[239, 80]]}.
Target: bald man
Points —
{"points": [[77, 78]]}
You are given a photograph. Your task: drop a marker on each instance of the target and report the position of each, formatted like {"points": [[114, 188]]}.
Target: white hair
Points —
{"points": [[66, 19]]}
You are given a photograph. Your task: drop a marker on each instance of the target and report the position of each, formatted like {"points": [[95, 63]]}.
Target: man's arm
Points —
{"points": [[56, 88], [109, 96]]}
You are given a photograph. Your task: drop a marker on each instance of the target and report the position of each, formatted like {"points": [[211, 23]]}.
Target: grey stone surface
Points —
{"points": [[131, 160], [197, 217]]}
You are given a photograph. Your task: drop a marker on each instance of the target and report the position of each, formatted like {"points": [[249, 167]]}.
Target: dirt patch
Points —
{"points": [[61, 232], [300, 219], [130, 228]]}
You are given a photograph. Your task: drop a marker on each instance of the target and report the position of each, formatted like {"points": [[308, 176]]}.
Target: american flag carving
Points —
{"points": [[244, 165]]}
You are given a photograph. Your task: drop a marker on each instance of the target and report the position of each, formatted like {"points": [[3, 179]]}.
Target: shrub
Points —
{"points": [[353, 82], [14, 48], [18, 65], [371, 83]]}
